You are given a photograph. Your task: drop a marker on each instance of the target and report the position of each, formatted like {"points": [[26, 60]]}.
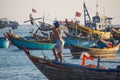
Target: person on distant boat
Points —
{"points": [[57, 37], [106, 43], [31, 19]]}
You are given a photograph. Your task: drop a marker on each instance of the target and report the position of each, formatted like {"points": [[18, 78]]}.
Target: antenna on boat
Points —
{"points": [[97, 14]]}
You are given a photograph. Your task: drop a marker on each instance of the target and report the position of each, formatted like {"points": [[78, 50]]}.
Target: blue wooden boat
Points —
{"points": [[73, 39], [55, 70], [20, 42], [4, 42]]}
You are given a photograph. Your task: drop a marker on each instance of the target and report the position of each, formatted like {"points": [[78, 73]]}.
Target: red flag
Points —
{"points": [[78, 14], [34, 10]]}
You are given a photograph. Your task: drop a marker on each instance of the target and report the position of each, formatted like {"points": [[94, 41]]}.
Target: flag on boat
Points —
{"points": [[34, 10], [78, 14]]}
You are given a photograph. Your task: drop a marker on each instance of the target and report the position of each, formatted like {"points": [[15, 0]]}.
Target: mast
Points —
{"points": [[87, 19]]}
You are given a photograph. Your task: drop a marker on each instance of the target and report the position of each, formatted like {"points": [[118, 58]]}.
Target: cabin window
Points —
{"points": [[99, 26]]}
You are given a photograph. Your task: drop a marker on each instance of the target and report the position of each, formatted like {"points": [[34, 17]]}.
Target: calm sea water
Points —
{"points": [[15, 65]]}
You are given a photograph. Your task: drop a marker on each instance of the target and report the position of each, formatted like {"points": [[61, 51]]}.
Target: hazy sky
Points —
{"points": [[19, 10]]}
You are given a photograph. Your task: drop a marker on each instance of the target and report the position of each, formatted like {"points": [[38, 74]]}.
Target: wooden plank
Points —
{"points": [[111, 61], [33, 19]]}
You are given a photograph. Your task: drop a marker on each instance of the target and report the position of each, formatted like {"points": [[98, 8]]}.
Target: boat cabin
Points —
{"points": [[101, 23]]}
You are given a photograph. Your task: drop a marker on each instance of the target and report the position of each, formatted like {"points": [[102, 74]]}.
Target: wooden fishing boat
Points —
{"points": [[104, 52], [79, 45], [86, 30], [4, 42], [55, 70], [98, 25], [37, 38], [20, 42]]}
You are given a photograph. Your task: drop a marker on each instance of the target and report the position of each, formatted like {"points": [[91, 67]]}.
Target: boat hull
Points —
{"points": [[95, 52], [31, 44], [54, 70], [4, 43], [72, 39]]}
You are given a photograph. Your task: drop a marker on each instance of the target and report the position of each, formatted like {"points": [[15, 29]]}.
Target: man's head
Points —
{"points": [[56, 24]]}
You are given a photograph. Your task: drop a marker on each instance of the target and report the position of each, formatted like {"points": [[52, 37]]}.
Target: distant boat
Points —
{"points": [[4, 42], [20, 42], [55, 70], [77, 29], [99, 26], [13, 24], [4, 22], [101, 23]]}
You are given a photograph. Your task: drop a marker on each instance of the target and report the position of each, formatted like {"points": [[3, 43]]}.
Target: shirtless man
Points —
{"points": [[57, 37]]}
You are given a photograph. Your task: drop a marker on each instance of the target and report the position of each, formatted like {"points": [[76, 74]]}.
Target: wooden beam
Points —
{"points": [[33, 19]]}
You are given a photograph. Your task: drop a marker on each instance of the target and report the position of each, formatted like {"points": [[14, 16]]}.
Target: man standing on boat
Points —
{"points": [[57, 37]]}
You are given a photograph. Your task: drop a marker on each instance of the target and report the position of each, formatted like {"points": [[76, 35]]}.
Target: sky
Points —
{"points": [[19, 10]]}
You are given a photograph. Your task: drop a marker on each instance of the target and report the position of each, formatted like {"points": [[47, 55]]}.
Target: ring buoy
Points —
{"points": [[110, 45]]}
